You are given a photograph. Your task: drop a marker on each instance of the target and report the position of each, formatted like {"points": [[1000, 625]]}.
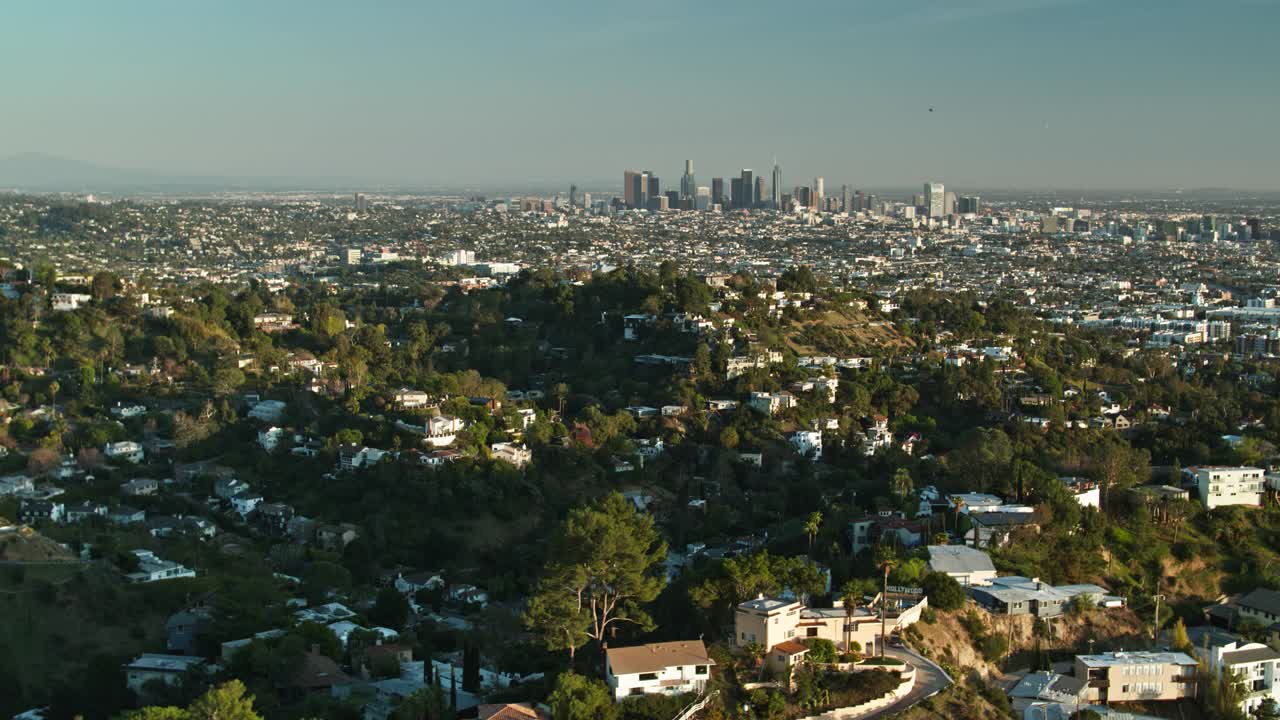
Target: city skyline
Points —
{"points": [[1046, 94]]}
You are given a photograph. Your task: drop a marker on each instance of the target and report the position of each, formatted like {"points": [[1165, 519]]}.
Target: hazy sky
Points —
{"points": [[1031, 93]]}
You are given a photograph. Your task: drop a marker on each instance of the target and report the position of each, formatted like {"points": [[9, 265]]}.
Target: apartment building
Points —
{"points": [[1118, 677], [1220, 486]]}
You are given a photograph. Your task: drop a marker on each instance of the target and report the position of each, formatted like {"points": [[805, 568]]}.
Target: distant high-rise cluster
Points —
{"points": [[752, 191], [362, 202]]}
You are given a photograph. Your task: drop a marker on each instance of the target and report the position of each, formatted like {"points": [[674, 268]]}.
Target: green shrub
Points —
{"points": [[821, 651]]}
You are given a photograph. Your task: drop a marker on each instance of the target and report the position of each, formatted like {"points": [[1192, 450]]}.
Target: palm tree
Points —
{"points": [[886, 560], [811, 527], [851, 596]]}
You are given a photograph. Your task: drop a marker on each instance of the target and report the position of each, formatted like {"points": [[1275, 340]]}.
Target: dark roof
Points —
{"points": [[1250, 656], [1267, 601]]}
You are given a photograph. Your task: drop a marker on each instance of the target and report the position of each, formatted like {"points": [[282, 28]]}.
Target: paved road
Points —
{"points": [[929, 680]]}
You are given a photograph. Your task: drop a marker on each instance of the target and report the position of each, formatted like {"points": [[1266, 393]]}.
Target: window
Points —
{"points": [[700, 670], [811, 632], [648, 676], [636, 691]]}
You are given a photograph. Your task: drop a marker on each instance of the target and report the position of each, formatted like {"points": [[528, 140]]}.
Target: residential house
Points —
{"points": [[32, 512], [354, 457], [268, 411], [512, 711], [246, 501], [966, 565], [153, 569], [409, 399], [1015, 595], [1085, 491], [269, 439], [670, 668], [85, 510], [335, 538], [126, 515], [228, 487], [514, 453], [273, 517], [126, 450], [469, 595], [125, 412], [770, 621], [442, 430], [1257, 665], [996, 528], [184, 628], [172, 670], [1119, 677], [771, 403], [807, 443], [140, 487], [1220, 486]]}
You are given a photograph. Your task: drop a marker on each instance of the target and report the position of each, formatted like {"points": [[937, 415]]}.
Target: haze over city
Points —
{"points": [[992, 94]]}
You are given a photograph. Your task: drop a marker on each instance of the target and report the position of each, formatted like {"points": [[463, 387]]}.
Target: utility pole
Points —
{"points": [[1155, 621]]}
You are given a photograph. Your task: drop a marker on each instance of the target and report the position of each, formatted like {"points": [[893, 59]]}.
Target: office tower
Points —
{"points": [[786, 202], [971, 204], [935, 199], [735, 192], [949, 204], [861, 200], [659, 202], [1255, 227], [362, 203], [844, 199], [634, 186], [817, 193], [673, 200], [655, 188], [573, 196], [687, 184], [873, 204], [803, 196], [759, 193], [586, 200], [748, 188], [717, 191], [1208, 224], [775, 199], [919, 201], [702, 200]]}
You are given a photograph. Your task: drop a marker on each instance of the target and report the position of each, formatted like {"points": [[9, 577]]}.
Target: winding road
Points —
{"points": [[930, 680]]}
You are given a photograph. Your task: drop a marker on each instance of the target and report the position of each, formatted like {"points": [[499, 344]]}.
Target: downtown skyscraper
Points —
{"points": [[935, 200], [688, 187], [775, 197]]}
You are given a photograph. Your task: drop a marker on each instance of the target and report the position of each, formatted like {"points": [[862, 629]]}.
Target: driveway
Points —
{"points": [[930, 679]]}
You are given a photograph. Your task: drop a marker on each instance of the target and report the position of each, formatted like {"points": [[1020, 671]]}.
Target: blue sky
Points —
{"points": [[1038, 93]]}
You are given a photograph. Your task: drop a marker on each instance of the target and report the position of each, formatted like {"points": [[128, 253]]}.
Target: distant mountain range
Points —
{"points": [[40, 172]]}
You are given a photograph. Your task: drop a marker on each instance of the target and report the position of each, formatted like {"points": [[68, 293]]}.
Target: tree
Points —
{"points": [[1181, 641], [390, 609], [811, 527], [228, 701], [886, 560], [902, 485], [581, 698], [852, 596], [1268, 710], [943, 591], [471, 668], [226, 381], [603, 568]]}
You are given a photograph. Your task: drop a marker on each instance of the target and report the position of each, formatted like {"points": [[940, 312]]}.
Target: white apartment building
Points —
{"points": [[1220, 486], [1256, 665], [807, 443], [771, 403], [669, 668]]}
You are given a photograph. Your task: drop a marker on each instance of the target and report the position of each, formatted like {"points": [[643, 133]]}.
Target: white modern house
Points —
{"points": [[1257, 665], [442, 430], [153, 569], [1220, 486], [268, 411], [126, 450], [409, 398], [670, 668], [807, 443]]}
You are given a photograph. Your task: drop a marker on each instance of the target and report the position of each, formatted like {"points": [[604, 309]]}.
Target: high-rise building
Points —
{"points": [[362, 202], [818, 192], [687, 185], [759, 193], [971, 204], [717, 191], [735, 192], [655, 188], [935, 199], [861, 200], [949, 204], [748, 188], [803, 196], [586, 200], [844, 199], [573, 196], [673, 200], [702, 199], [775, 198], [786, 202], [634, 187], [1255, 227]]}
